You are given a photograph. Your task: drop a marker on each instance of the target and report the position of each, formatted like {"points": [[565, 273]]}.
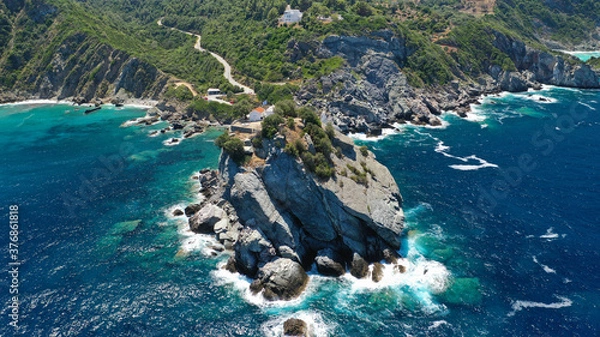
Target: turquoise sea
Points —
{"points": [[585, 55], [502, 214]]}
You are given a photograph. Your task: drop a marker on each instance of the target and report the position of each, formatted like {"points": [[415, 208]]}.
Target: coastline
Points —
{"points": [[129, 102]]}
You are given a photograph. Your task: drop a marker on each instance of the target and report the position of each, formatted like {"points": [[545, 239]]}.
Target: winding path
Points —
{"points": [[227, 72]]}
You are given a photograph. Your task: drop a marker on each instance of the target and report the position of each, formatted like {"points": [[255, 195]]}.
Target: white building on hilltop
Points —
{"points": [[290, 16]]}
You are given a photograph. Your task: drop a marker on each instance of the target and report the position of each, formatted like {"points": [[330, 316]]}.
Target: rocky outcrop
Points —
{"points": [[539, 66], [281, 219], [295, 327], [329, 263], [281, 279], [371, 90]]}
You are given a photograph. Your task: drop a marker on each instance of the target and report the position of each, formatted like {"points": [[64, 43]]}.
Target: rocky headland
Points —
{"points": [[279, 219], [371, 90]]}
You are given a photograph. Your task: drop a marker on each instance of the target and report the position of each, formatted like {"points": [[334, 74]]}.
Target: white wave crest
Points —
{"points": [[172, 141], [441, 148], [550, 235], [520, 305], [545, 267]]}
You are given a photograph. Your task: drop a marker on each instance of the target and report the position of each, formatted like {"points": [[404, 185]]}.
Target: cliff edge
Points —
{"points": [[279, 217]]}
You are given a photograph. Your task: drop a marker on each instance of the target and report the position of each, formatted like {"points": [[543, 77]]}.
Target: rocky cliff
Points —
{"points": [[372, 91], [84, 68], [280, 219]]}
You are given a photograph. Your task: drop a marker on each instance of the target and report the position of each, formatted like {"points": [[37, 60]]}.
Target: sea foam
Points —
{"points": [[441, 148], [520, 305]]}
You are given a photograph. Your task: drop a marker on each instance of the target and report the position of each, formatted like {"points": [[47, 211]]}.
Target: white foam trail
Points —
{"points": [[317, 326], [550, 235], [520, 305], [397, 129], [482, 164], [441, 148], [545, 267], [24, 120], [588, 106]]}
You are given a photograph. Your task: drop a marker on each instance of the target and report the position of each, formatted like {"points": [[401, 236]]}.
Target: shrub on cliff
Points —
{"points": [[233, 146], [270, 125]]}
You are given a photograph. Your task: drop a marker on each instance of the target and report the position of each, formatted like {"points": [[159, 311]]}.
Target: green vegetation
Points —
{"points": [[364, 150], [224, 113], [233, 146], [358, 176], [443, 43], [270, 125], [181, 93]]}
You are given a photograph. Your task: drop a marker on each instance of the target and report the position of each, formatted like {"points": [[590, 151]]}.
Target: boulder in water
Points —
{"points": [[295, 327], [282, 279]]}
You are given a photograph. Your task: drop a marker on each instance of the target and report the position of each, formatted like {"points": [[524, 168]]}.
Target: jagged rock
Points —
{"points": [[359, 268], [192, 209], [329, 263], [390, 256], [206, 218], [253, 204], [400, 268], [230, 265], [377, 273], [282, 279], [295, 327], [251, 250], [177, 212]]}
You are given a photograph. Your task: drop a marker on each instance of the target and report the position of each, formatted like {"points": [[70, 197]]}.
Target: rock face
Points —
{"points": [[371, 91], [329, 263], [300, 215], [86, 68], [544, 67], [280, 218], [205, 219]]}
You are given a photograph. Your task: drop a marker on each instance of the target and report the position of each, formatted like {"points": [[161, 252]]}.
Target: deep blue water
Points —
{"points": [[502, 210]]}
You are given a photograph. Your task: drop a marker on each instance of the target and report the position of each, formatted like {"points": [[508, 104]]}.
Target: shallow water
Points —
{"points": [[501, 211]]}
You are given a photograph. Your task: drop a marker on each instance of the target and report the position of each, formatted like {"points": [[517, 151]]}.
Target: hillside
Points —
{"points": [[95, 48]]}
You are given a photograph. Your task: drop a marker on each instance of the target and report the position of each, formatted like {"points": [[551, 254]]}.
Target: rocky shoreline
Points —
{"points": [[372, 92], [368, 93], [279, 220]]}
